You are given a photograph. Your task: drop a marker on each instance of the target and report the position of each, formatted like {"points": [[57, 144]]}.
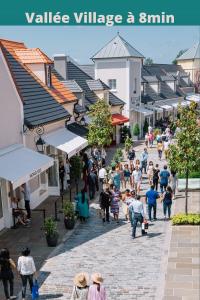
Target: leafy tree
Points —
{"points": [[128, 143], [178, 55], [145, 127], [184, 154], [136, 130], [148, 61], [100, 129]]}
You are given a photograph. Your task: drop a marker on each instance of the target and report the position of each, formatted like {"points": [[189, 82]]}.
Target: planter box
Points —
{"points": [[135, 138], [193, 184]]}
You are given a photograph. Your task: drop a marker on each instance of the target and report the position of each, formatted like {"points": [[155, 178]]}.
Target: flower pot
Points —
{"points": [[135, 137], [52, 240], [69, 223]]}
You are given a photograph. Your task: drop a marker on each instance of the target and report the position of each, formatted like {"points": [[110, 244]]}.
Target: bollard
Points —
{"points": [[56, 212]]}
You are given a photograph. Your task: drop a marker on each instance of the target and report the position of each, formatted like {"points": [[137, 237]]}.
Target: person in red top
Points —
{"points": [[151, 139]]}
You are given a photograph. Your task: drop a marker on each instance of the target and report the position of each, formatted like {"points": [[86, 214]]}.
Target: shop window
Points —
{"points": [[112, 83], [53, 175]]}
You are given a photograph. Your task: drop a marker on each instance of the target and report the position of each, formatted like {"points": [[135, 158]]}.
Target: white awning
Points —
{"points": [[158, 109], [143, 110], [195, 97], [65, 141], [166, 107], [19, 164]]}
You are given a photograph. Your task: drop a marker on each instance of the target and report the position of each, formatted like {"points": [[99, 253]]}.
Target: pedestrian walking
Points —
{"points": [[26, 269], [173, 183], [67, 167], [137, 215], [126, 200], [164, 178], [151, 200], [166, 147], [151, 139], [146, 140], [131, 155], [97, 290], [61, 175], [81, 287], [103, 156], [144, 157], [160, 149], [6, 273], [133, 197], [167, 202], [105, 201], [156, 172], [25, 189], [117, 179], [150, 172], [122, 180], [115, 199], [127, 175], [137, 178], [102, 176], [150, 129], [92, 184], [82, 205]]}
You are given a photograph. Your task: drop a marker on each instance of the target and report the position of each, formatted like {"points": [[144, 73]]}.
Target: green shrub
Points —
{"points": [[68, 210], [136, 130], [194, 174], [182, 219], [50, 226]]}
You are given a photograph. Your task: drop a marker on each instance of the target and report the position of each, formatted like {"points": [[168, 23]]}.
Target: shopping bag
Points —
{"points": [[35, 290], [145, 225]]}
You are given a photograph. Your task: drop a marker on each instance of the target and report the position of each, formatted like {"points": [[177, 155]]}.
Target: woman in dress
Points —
{"points": [[173, 182], [26, 269], [80, 289], [127, 175], [116, 178], [82, 205], [6, 273], [122, 178], [97, 290], [167, 202], [115, 199], [150, 173], [160, 149]]}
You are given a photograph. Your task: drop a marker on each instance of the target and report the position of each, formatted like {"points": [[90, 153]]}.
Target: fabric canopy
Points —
{"points": [[19, 164], [118, 119], [195, 97], [66, 141], [143, 110], [166, 107]]}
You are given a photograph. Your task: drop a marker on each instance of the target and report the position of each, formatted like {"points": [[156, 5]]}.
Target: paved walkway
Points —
{"points": [[131, 268], [183, 271]]}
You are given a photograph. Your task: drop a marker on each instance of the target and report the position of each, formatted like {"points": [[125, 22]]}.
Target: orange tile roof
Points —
{"points": [[58, 90], [32, 56]]}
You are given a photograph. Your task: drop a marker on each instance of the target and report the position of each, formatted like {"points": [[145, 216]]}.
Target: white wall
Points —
{"points": [[38, 70], [11, 111], [171, 85]]}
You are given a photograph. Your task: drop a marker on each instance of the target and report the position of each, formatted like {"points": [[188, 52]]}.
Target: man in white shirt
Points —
{"points": [[102, 175], [137, 212]]}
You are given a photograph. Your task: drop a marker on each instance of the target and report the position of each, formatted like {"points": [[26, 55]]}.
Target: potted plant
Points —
{"points": [[128, 143], [136, 131], [69, 215], [50, 228]]}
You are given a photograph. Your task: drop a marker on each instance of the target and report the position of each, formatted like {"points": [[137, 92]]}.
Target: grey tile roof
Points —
{"points": [[79, 109], [40, 107], [150, 95], [73, 86], [192, 53], [78, 129], [89, 69], [117, 48], [77, 74], [150, 78], [95, 85], [166, 92], [167, 78], [155, 70]]}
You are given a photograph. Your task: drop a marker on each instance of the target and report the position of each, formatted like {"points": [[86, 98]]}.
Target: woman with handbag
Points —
{"points": [[26, 269], [6, 273], [80, 289]]}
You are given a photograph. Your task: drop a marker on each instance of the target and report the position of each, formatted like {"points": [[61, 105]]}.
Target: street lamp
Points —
{"points": [[40, 144]]}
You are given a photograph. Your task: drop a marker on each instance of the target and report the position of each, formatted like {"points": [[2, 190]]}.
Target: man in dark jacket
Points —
{"points": [[105, 200], [92, 184]]}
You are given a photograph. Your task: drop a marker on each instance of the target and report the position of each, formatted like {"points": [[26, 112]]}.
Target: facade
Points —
{"points": [[89, 90], [36, 104], [190, 63]]}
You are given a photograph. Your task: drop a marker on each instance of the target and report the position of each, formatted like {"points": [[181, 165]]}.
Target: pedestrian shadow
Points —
{"points": [[152, 235], [50, 296]]}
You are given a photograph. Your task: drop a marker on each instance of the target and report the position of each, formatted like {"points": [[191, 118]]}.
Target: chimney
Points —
{"points": [[60, 65]]}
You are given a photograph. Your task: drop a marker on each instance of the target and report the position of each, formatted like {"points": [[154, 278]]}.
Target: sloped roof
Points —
{"points": [[73, 86], [150, 78], [96, 85], [77, 74], [78, 129], [89, 69], [41, 104], [116, 48], [32, 56], [167, 78], [192, 53]]}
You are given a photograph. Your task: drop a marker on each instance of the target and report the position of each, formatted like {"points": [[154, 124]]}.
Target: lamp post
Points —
{"points": [[40, 143]]}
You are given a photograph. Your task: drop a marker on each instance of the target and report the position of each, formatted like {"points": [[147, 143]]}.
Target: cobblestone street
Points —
{"points": [[132, 269]]}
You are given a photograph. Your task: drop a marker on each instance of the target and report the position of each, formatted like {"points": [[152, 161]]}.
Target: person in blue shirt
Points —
{"points": [[164, 179], [151, 200], [144, 157]]}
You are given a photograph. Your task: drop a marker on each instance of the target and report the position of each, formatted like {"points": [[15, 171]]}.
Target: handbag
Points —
{"points": [[35, 290], [145, 225]]}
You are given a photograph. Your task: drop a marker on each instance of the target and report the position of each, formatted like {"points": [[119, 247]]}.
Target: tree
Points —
{"points": [[178, 55], [148, 61], [136, 130], [145, 127], [184, 154], [100, 129]]}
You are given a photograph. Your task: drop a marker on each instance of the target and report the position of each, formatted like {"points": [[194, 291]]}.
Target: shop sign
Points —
{"points": [[35, 173]]}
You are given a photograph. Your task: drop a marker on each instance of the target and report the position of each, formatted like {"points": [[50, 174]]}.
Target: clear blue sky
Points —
{"points": [[160, 43]]}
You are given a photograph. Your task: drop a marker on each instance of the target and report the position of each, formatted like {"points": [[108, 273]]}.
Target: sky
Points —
{"points": [[161, 43]]}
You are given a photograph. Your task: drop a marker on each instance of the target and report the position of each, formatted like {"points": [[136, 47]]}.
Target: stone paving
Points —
{"points": [[131, 268]]}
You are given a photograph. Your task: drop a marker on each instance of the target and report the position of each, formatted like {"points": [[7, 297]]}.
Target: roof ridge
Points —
{"points": [[104, 46], [11, 41]]}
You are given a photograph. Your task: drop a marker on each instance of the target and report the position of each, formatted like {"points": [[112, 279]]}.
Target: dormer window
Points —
{"points": [[48, 75], [112, 83]]}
